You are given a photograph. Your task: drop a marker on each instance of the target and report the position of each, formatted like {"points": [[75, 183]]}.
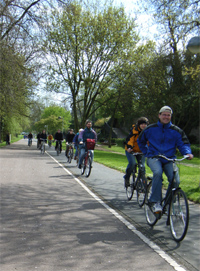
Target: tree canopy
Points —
{"points": [[85, 46]]}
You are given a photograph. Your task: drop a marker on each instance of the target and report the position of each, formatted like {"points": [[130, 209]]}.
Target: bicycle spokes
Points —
{"points": [[179, 215]]}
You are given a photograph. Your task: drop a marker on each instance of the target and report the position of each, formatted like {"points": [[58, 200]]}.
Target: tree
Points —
{"points": [[176, 23], [85, 45], [53, 117]]}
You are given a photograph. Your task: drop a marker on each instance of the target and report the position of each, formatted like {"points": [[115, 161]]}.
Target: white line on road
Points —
{"points": [[155, 247]]}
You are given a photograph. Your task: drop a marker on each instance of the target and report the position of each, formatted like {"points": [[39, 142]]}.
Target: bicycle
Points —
{"points": [[49, 143], [59, 147], [42, 145], [70, 153], [138, 181], [87, 161], [30, 142], [174, 205]]}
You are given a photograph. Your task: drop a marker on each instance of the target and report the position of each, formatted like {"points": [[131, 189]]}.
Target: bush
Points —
{"points": [[195, 150]]}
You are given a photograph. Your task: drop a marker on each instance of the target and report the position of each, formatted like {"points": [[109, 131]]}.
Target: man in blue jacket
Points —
{"points": [[162, 138], [88, 132]]}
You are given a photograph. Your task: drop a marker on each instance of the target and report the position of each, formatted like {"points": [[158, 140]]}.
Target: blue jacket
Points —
{"points": [[87, 133], [163, 139], [75, 139]]}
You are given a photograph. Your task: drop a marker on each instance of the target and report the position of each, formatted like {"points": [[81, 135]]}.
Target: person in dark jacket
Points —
{"points": [[43, 136], [30, 138], [38, 140], [69, 140], [87, 133], [163, 138], [7, 139], [58, 136]]}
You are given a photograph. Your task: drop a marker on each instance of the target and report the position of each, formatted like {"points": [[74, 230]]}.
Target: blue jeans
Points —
{"points": [[157, 168], [82, 154], [76, 148], [132, 162]]}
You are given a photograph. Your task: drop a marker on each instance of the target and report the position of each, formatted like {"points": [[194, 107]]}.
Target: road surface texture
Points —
{"points": [[53, 219]]}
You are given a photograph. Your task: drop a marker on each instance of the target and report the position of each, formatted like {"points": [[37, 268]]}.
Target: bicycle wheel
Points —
{"points": [[88, 167], [141, 184], [130, 189], [179, 215], [69, 155], [150, 216]]}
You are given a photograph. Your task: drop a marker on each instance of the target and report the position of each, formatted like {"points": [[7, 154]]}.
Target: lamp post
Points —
{"points": [[194, 45]]}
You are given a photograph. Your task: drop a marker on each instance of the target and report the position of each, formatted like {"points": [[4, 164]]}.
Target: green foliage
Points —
{"points": [[53, 118], [86, 45]]}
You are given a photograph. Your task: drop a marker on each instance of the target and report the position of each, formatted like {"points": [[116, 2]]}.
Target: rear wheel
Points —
{"points": [[150, 216], [70, 155], [141, 190], [179, 215], [130, 188], [88, 167]]}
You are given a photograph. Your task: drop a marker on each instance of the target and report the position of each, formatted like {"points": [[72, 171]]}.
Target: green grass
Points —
{"points": [[189, 175], [13, 139]]}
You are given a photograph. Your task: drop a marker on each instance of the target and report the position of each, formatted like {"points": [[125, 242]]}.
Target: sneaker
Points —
{"points": [[79, 166], [157, 208]]}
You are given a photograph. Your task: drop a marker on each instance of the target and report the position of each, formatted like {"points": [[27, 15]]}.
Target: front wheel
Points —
{"points": [[150, 216], [130, 188], [88, 167], [70, 155], [179, 215], [141, 190]]}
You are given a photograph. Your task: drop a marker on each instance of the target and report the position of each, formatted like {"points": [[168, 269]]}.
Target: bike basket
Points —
{"points": [[90, 144]]}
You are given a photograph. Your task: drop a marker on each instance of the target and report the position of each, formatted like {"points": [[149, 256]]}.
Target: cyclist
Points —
{"points": [[132, 146], [76, 144], [50, 138], [38, 140], [163, 138], [58, 136], [43, 135], [69, 139], [87, 133], [30, 137]]}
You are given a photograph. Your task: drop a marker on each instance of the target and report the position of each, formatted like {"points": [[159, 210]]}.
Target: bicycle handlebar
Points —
{"points": [[136, 153], [171, 159]]}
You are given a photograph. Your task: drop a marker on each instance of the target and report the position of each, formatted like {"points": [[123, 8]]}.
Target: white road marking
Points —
{"points": [[155, 247]]}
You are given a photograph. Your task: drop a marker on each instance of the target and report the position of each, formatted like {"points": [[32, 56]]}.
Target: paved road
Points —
{"points": [[50, 221]]}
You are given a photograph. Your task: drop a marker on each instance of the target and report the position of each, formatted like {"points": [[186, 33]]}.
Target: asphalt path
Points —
{"points": [[52, 218]]}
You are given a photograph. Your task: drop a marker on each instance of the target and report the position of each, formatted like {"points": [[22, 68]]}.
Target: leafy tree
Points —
{"points": [[176, 22], [53, 117], [85, 46]]}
